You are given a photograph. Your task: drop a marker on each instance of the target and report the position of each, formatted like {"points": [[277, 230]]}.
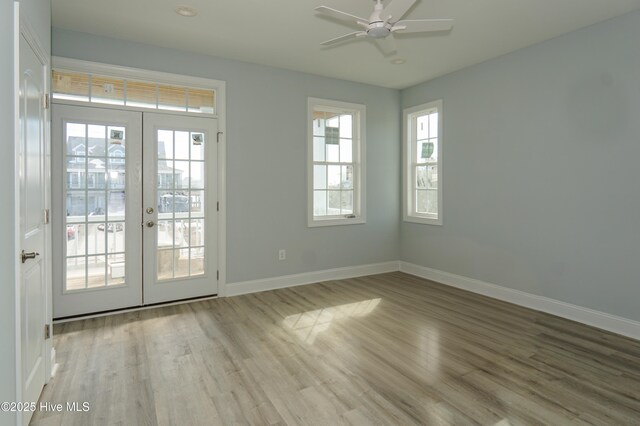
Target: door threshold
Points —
{"points": [[131, 309]]}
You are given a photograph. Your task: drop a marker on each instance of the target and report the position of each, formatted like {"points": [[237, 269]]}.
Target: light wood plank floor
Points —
{"points": [[385, 349]]}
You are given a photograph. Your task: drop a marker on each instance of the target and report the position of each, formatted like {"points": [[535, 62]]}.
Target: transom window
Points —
{"points": [[100, 89], [336, 168], [423, 164]]}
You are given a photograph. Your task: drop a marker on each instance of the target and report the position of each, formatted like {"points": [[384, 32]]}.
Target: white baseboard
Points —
{"points": [[245, 287], [54, 365], [615, 324], [602, 320]]}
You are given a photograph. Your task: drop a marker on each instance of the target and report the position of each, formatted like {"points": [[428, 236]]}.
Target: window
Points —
{"points": [[423, 164], [336, 152], [89, 87]]}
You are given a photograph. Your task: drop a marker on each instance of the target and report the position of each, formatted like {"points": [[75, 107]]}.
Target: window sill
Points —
{"points": [[316, 223], [423, 220]]}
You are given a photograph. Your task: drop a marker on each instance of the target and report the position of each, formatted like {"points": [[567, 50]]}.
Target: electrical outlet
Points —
{"points": [[282, 254]]}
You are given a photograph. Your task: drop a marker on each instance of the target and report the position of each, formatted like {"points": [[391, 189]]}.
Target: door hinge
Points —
{"points": [[217, 275], [218, 136], [45, 101], [218, 206], [47, 331], [46, 216]]}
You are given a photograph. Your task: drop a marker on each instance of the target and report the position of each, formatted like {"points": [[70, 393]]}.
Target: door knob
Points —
{"points": [[150, 224], [150, 210], [26, 256]]}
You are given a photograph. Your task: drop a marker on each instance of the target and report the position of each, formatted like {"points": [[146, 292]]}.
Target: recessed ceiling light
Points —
{"points": [[398, 61], [187, 11]]}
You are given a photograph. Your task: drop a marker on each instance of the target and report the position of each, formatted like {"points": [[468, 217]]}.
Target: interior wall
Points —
{"points": [[7, 216], [266, 158], [38, 15], [541, 172]]}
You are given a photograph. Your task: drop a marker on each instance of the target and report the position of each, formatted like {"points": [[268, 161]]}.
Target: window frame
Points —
{"points": [[409, 165], [358, 161]]}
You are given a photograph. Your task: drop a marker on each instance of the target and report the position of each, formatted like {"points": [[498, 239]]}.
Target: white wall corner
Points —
{"points": [[602, 320], [246, 287]]}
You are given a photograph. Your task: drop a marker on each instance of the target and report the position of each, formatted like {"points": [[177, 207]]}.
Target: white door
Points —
{"points": [[33, 228], [180, 207], [97, 210]]}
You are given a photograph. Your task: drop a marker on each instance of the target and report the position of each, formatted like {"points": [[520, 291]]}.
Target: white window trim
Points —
{"points": [[407, 181], [359, 156]]}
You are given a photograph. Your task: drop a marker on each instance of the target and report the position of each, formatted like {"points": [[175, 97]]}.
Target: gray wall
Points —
{"points": [[266, 159], [38, 15], [541, 174], [7, 217]]}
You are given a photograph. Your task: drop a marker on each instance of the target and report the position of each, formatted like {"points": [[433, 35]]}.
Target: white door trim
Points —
{"points": [[16, 203]]}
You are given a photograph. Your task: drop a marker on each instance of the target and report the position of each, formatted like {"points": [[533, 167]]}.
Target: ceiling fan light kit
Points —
{"points": [[379, 30], [384, 22]]}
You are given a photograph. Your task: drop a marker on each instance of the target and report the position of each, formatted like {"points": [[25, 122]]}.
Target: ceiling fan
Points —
{"points": [[383, 23]]}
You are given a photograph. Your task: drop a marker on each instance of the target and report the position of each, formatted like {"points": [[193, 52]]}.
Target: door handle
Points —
{"points": [[150, 224], [26, 256]]}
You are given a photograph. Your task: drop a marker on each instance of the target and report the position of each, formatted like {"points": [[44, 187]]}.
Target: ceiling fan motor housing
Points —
{"points": [[379, 29]]}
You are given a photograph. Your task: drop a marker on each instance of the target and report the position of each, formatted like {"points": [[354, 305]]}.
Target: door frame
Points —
{"points": [[180, 79], [22, 28]]}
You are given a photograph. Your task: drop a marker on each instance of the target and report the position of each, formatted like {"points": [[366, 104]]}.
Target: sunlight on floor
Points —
{"points": [[307, 325]]}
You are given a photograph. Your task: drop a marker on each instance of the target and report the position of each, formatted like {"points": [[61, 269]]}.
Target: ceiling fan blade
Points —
{"points": [[422, 25], [343, 16], [396, 10], [387, 45], [343, 38]]}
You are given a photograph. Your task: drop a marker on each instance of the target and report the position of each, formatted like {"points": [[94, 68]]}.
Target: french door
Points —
{"points": [[97, 177], [134, 220], [180, 193]]}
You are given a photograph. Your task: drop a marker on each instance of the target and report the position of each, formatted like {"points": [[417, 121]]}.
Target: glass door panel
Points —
{"points": [[96, 204], [180, 257], [181, 187]]}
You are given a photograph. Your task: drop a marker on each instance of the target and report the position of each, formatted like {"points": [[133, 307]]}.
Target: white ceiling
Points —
{"points": [[287, 33]]}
